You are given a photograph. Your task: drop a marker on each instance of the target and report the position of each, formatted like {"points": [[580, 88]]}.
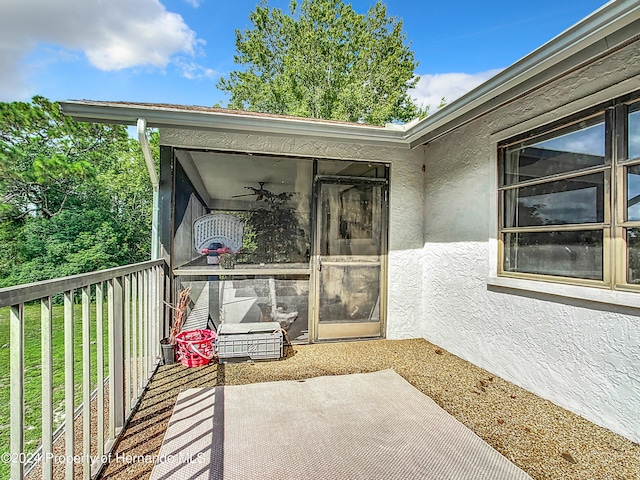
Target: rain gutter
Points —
{"points": [[166, 116], [153, 176]]}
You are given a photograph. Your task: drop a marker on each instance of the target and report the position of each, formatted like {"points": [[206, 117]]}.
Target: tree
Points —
{"points": [[74, 197], [324, 60], [45, 157]]}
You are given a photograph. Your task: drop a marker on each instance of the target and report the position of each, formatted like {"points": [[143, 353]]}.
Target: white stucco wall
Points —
{"points": [[582, 355], [406, 200]]}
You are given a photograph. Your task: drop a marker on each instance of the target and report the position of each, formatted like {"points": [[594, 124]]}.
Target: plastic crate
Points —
{"points": [[252, 341]]}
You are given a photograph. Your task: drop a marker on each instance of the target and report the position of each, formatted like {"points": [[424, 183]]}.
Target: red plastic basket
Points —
{"points": [[195, 347]]}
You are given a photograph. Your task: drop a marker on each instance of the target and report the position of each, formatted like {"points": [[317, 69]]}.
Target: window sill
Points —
{"points": [[592, 294]]}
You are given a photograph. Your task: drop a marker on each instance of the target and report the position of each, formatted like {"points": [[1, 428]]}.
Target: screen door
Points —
{"points": [[350, 246]]}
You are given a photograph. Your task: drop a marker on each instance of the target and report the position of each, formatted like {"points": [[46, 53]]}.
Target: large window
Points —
{"points": [[569, 199]]}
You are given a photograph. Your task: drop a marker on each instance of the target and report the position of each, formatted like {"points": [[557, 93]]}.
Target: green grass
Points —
{"points": [[33, 374]]}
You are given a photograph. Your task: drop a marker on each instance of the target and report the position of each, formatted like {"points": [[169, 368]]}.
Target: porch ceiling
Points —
{"points": [[219, 177], [224, 178]]}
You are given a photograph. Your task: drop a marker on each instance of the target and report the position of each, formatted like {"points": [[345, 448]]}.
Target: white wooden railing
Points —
{"points": [[135, 323]]}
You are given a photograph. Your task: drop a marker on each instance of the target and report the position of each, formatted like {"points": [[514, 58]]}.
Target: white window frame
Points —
{"points": [[612, 292]]}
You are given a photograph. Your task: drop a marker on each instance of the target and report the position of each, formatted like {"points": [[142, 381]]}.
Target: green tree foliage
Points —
{"points": [[324, 60], [45, 158], [74, 197]]}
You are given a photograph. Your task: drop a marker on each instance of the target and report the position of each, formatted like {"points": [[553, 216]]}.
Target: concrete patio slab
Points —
{"points": [[360, 426]]}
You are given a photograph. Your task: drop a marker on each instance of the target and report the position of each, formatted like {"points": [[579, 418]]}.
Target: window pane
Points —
{"points": [[349, 294], [575, 200], [271, 195], [633, 246], [633, 192], [576, 147], [634, 132], [576, 254], [352, 169]]}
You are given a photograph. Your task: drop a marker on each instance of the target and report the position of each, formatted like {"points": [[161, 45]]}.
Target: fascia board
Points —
{"points": [[610, 18], [87, 111]]}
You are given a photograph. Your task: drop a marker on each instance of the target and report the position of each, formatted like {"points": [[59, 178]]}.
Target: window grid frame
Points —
{"points": [[623, 224], [615, 251]]}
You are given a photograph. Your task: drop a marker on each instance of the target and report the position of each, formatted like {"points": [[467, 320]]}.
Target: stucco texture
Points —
{"points": [[584, 356]]}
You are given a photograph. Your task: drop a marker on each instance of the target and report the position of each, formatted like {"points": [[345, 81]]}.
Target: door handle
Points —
{"points": [[319, 263]]}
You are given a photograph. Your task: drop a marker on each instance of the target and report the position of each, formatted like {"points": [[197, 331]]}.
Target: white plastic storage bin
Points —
{"points": [[254, 341]]}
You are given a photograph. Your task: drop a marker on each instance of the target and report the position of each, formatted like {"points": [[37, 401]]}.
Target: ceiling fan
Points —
{"points": [[260, 192]]}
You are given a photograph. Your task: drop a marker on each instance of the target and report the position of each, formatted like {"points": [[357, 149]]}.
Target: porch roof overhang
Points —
{"points": [[219, 119], [613, 26]]}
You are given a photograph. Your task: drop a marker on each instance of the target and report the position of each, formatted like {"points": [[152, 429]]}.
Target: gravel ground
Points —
{"points": [[59, 461], [546, 441]]}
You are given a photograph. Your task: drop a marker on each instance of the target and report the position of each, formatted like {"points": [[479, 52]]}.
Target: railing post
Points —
{"points": [[100, 366], [152, 318], [46, 326], [167, 299], [162, 333], [69, 383], [155, 318], [141, 330], [127, 345], [145, 320], [134, 328], [116, 358], [86, 383], [16, 339]]}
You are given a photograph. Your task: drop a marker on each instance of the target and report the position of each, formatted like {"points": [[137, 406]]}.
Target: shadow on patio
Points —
{"points": [[543, 439]]}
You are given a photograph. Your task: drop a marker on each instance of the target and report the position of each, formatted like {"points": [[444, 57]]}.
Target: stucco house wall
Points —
{"points": [[405, 203], [582, 355]]}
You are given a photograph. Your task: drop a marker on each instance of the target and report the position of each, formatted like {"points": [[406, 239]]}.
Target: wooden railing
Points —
{"points": [[136, 315]]}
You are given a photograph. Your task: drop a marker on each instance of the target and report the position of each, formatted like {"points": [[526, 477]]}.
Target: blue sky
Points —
{"points": [[174, 51]]}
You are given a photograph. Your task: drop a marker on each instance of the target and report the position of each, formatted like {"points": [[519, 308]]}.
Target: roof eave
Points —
{"points": [[99, 112]]}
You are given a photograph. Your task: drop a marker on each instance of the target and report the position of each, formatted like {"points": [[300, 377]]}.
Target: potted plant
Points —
{"points": [[168, 345], [228, 260], [275, 228]]}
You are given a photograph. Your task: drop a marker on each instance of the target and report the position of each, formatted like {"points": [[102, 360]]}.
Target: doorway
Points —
{"points": [[349, 261]]}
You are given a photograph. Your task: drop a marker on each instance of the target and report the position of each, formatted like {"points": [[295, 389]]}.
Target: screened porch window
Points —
{"points": [[569, 199], [272, 197]]}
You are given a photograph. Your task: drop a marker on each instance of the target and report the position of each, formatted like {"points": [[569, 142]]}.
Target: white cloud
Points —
{"points": [[194, 71], [113, 34], [13, 79], [432, 88], [194, 3]]}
